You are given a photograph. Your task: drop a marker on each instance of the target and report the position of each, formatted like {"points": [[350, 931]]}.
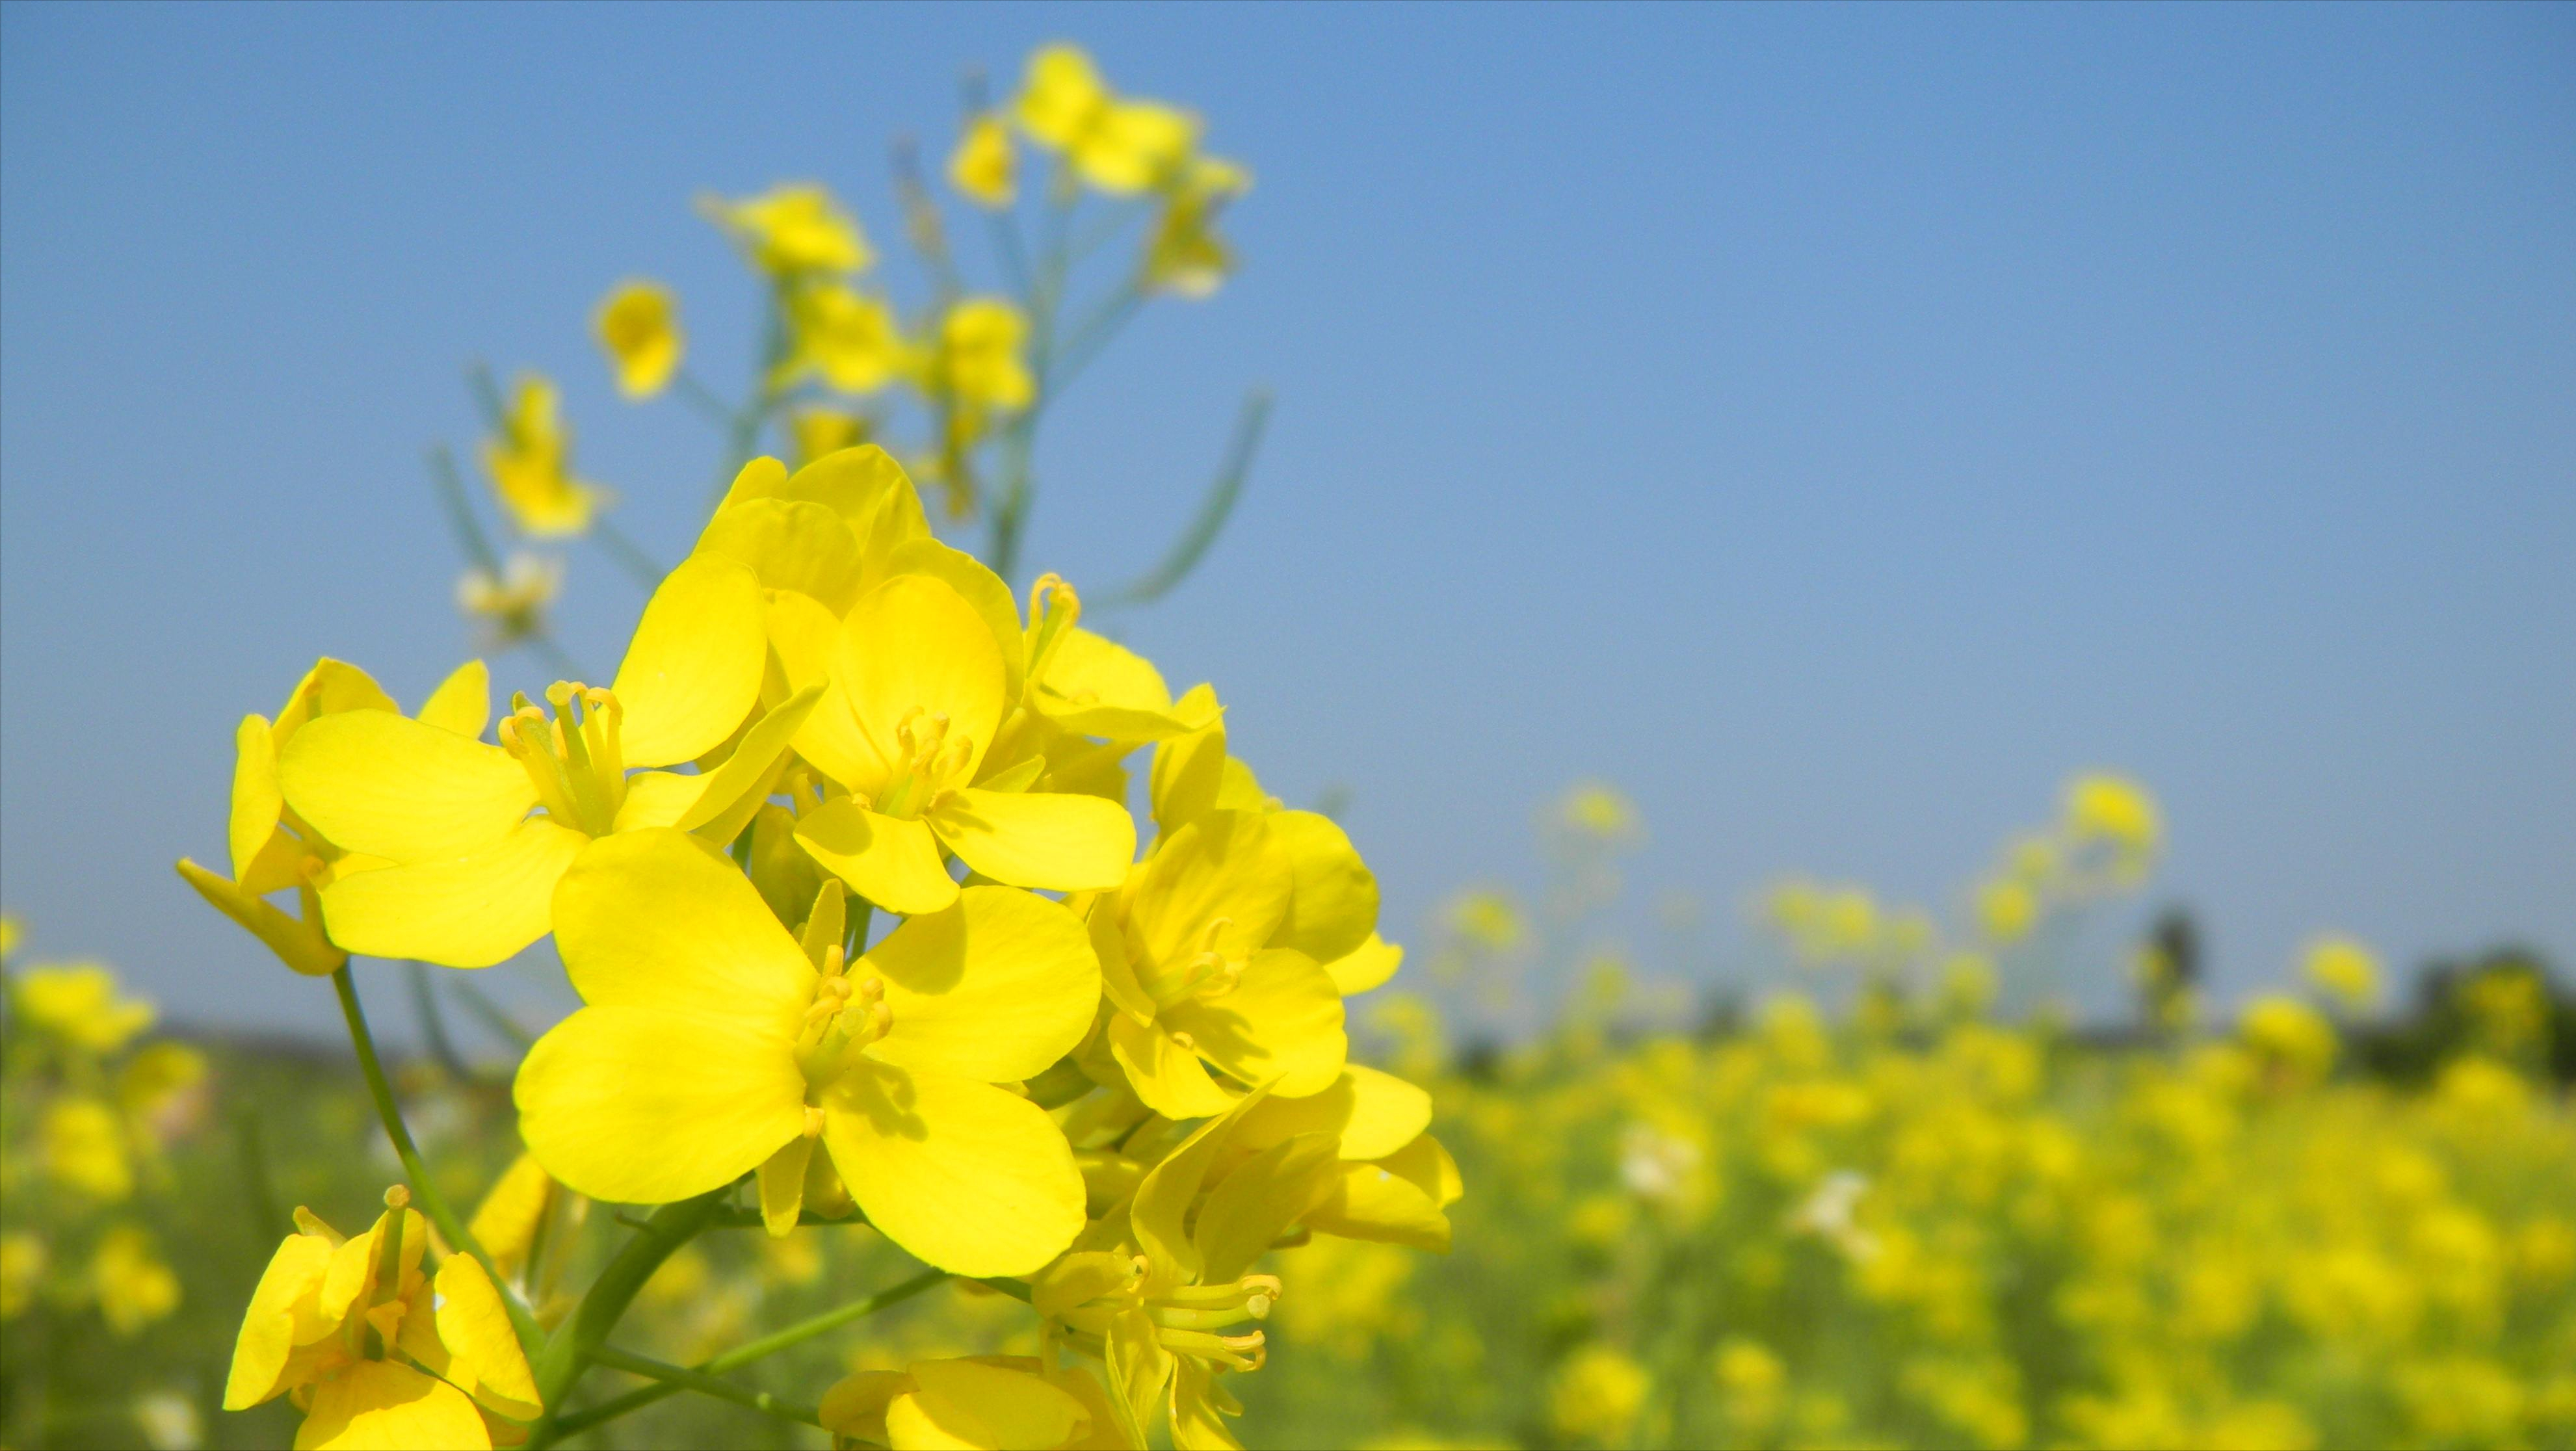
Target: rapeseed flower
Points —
{"points": [[134, 1287], [845, 337], [638, 325], [530, 461], [1118, 146], [474, 835], [78, 1004], [511, 605], [375, 1348], [988, 1403], [2345, 969], [983, 166], [793, 230], [713, 1045]]}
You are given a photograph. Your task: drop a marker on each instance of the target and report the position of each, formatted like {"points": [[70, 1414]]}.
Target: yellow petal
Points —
{"points": [[980, 587], [1365, 967], [805, 635], [1171, 1188], [1189, 768], [1196, 1423], [854, 482], [1117, 974], [462, 702], [1221, 866], [379, 783], [891, 862], [1096, 687], [986, 1405], [995, 988], [269, 1327], [782, 1186], [1056, 842], [654, 919], [379, 1406], [475, 1327], [960, 1174], [914, 648], [1335, 906], [471, 910], [256, 796], [645, 1106], [1370, 1114], [657, 798], [693, 671], [731, 792], [329, 688], [1259, 1200], [300, 945], [1170, 1079], [1371, 1202], [1283, 1022], [855, 1406], [791, 544]]}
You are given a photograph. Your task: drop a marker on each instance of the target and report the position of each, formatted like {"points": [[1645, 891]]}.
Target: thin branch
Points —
{"points": [[681, 1378], [1213, 509]]}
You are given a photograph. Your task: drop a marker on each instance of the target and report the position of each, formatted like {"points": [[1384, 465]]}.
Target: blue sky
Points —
{"points": [[1836, 425]]}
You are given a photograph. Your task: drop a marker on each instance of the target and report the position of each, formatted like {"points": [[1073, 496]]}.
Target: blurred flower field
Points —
{"points": [[973, 1052]]}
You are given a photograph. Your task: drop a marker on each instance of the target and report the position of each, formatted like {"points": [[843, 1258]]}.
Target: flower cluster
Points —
{"points": [[88, 1117], [841, 866]]}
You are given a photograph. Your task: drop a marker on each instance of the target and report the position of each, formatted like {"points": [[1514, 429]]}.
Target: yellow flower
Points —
{"points": [[639, 326], [272, 847], [794, 229], [374, 1348], [530, 461], [81, 1142], [78, 1004], [986, 1402], [9, 933], [2344, 968], [476, 834], [1184, 255], [978, 360], [1597, 1395], [922, 683], [1599, 810], [2117, 812], [846, 337], [2290, 1035], [1187, 957], [22, 1267], [713, 1045], [1120, 147], [2007, 910], [512, 604], [981, 168], [134, 1287], [820, 431]]}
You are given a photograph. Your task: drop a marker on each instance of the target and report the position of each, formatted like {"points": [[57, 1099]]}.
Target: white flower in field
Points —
{"points": [[1831, 1213], [1654, 1164]]}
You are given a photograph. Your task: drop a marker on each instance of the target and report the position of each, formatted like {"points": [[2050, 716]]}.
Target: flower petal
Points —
{"points": [[1365, 967], [645, 1106], [913, 645], [962, 1175], [269, 1326], [1258, 1200], [257, 799], [730, 793], [805, 635], [1004, 1407], [379, 783], [1283, 1022], [329, 688], [893, 863], [980, 587], [995, 988], [791, 544], [377, 1405], [1335, 906], [471, 910], [462, 702], [1169, 1078], [1371, 1115], [1057, 842], [1222, 865], [693, 670], [657, 798], [1097, 687], [654, 919]]}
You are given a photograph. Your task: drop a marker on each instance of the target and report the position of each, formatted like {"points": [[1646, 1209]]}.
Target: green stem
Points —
{"points": [[432, 1203], [433, 1024], [493, 1016], [460, 512], [255, 1177], [742, 1355], [704, 397], [577, 1343], [682, 1378], [1213, 510]]}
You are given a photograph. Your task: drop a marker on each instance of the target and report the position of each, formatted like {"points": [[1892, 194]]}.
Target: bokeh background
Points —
{"points": [[1837, 427]]}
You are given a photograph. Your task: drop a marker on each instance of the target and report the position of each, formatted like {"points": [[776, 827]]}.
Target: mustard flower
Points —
{"points": [[794, 229], [78, 1004], [2345, 969], [978, 359], [638, 324], [375, 1348], [530, 461], [511, 605], [982, 167], [133, 1286], [22, 1268], [1118, 146], [713, 1045], [476, 834], [986, 1402], [846, 337]]}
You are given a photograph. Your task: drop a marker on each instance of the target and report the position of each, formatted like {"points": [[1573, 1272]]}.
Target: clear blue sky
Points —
{"points": [[1838, 425]]}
